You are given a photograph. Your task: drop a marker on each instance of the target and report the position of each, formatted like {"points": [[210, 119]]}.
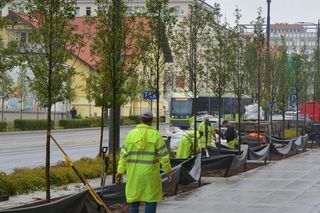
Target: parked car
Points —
{"points": [[290, 115]]}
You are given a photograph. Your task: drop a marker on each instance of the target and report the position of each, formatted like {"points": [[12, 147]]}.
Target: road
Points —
{"points": [[27, 149]]}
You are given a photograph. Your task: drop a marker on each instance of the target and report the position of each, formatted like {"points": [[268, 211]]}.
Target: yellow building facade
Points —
{"points": [[81, 63]]}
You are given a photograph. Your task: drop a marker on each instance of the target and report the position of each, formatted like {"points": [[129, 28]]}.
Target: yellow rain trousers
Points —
{"points": [[140, 157]]}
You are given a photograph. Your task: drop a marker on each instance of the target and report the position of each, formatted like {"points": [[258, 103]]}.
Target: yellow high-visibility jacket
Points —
{"points": [[202, 141], [232, 144], [186, 144], [140, 157]]}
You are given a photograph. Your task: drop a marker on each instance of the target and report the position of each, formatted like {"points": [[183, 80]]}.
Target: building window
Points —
{"points": [[0, 12], [88, 11], [99, 9], [129, 10], [9, 10], [23, 37], [177, 11], [141, 9], [77, 11]]}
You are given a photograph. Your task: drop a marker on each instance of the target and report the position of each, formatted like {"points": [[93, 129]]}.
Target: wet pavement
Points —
{"points": [[290, 185]]}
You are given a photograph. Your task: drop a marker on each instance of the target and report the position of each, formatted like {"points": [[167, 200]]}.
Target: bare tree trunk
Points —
{"points": [[239, 122], [283, 123], [21, 103], [47, 172], [101, 131], [297, 118], [271, 121], [219, 109], [259, 103], [305, 112], [131, 107], [158, 95], [2, 111]]}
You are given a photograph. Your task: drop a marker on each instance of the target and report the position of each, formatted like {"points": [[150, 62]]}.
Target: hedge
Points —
{"points": [[75, 123], [3, 126], [30, 124], [25, 180], [96, 122], [135, 119]]}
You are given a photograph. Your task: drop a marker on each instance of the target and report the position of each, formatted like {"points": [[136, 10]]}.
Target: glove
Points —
{"points": [[170, 176], [118, 178]]}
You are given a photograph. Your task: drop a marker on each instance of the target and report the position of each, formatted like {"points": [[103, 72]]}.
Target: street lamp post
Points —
{"points": [[268, 25]]}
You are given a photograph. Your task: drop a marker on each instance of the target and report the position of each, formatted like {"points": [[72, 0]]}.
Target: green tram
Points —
{"points": [[181, 106]]}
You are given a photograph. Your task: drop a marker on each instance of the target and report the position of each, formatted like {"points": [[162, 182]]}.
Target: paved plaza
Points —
{"points": [[291, 185]]}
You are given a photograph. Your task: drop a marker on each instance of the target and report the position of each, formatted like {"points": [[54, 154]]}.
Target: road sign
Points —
{"points": [[270, 103], [151, 95]]}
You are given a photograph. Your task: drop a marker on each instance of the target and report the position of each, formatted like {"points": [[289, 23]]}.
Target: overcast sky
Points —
{"points": [[289, 11]]}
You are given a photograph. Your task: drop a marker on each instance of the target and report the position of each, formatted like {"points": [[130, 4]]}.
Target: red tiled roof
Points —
{"points": [[88, 30]]}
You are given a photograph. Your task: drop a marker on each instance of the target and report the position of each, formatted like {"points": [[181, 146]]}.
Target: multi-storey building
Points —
{"points": [[89, 8], [296, 36]]}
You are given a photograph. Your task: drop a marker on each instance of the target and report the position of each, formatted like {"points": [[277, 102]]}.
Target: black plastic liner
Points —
{"points": [[185, 171]]}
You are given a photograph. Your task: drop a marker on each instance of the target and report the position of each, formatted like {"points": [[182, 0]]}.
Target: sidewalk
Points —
{"points": [[290, 185]]}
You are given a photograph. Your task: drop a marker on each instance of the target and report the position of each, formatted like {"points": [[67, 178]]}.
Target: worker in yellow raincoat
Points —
{"points": [[186, 144], [140, 157], [230, 135], [207, 130]]}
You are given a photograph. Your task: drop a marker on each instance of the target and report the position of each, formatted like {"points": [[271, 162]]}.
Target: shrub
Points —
{"points": [[30, 124], [135, 119], [95, 122], [26, 180], [3, 126], [75, 123], [6, 187], [125, 121]]}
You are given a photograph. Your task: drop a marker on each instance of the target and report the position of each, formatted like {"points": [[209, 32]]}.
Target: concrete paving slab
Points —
{"points": [[290, 185]]}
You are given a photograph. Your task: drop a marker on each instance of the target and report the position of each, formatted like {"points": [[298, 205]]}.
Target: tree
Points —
{"points": [[239, 75], [154, 40], [271, 80], [51, 43], [302, 79], [133, 90], [22, 83], [6, 83], [97, 90], [219, 59], [189, 44], [305, 97], [114, 46], [282, 95], [256, 64], [7, 62]]}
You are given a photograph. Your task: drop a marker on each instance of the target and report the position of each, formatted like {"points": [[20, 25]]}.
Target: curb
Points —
{"points": [[64, 130]]}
